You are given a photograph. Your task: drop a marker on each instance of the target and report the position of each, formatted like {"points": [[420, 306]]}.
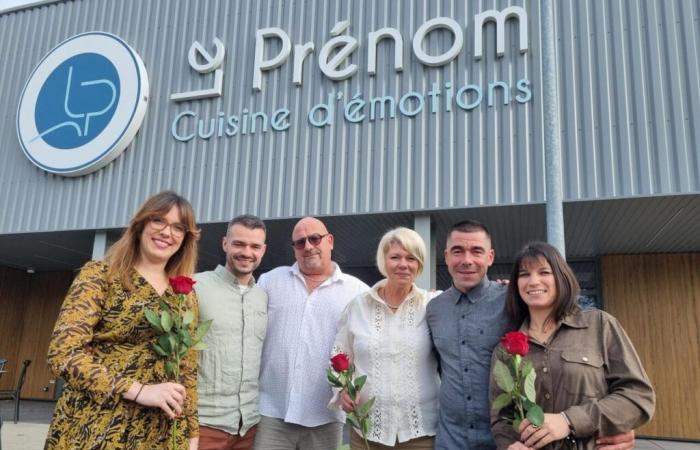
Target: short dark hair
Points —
{"points": [[469, 226], [566, 301], [249, 221]]}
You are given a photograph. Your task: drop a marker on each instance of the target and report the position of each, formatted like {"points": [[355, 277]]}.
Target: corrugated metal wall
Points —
{"points": [[630, 95], [628, 90]]}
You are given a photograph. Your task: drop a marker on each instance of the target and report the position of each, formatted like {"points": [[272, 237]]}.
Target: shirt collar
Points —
{"points": [[572, 320], [474, 294], [374, 292], [575, 319], [336, 276], [228, 277]]}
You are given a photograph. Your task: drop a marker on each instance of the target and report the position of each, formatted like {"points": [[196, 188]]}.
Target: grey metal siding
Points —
{"points": [[629, 105], [630, 95]]}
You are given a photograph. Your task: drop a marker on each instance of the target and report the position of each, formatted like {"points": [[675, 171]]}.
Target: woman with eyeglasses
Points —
{"points": [[385, 335], [117, 394], [589, 380]]}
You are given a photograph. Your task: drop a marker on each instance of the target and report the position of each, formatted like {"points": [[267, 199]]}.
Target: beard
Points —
{"points": [[242, 267]]}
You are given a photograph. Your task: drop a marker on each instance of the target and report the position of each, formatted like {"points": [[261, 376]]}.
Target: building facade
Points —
{"points": [[370, 114]]}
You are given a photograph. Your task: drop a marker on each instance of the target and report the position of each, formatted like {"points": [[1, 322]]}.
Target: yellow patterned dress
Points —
{"points": [[101, 345]]}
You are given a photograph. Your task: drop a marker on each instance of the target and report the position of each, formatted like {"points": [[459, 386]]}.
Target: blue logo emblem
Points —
{"points": [[83, 104], [89, 86]]}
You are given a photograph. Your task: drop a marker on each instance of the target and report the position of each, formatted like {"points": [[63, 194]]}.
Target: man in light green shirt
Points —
{"points": [[230, 365]]}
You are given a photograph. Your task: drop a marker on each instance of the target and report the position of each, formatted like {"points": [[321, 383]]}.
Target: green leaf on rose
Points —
{"points": [[153, 319], [199, 346], [359, 382], [527, 367], [352, 392], [504, 379], [363, 409], [174, 347], [188, 317], [353, 420], [535, 415], [164, 343], [166, 321], [157, 348], [332, 379], [202, 330], [163, 306], [170, 368], [529, 386], [501, 401], [185, 337], [364, 426]]}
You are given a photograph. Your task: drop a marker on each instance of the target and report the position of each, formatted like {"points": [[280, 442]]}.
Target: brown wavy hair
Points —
{"points": [[123, 254], [566, 301]]}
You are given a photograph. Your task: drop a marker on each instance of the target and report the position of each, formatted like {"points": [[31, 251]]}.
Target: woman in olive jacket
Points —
{"points": [[590, 381]]}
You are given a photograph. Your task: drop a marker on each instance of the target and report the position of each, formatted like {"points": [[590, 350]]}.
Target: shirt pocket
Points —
{"points": [[260, 324], [583, 373]]}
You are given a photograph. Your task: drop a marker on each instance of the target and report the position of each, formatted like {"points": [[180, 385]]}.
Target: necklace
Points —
{"points": [[545, 329], [383, 297], [542, 335]]}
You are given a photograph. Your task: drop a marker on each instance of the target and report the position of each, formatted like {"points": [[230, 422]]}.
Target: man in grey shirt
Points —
{"points": [[230, 365], [466, 323]]}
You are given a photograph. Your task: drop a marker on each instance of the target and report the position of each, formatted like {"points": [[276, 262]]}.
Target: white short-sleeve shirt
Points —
{"points": [[300, 333]]}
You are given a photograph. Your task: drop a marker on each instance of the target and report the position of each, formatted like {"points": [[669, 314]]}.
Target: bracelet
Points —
{"points": [[138, 393], [572, 432]]}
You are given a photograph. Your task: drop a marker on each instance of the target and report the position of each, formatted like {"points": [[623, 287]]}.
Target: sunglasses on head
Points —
{"points": [[314, 240]]}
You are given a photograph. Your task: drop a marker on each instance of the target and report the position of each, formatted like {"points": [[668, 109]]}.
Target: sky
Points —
{"points": [[6, 4]]}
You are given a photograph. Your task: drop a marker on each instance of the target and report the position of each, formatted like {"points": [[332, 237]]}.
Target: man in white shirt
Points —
{"points": [[305, 302]]}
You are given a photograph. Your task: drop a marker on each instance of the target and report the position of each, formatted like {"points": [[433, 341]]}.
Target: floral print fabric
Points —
{"points": [[101, 344]]}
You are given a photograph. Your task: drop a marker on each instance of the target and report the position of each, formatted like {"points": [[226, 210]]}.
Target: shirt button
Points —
{"points": [[463, 316], [545, 370], [469, 397], [546, 396], [471, 426], [585, 359], [466, 369], [464, 342]]}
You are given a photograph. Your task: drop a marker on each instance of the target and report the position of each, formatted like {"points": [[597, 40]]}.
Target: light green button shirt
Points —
{"points": [[230, 365]]}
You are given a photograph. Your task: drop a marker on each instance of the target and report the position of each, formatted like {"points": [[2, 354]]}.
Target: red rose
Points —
{"points": [[340, 362], [515, 343], [182, 284]]}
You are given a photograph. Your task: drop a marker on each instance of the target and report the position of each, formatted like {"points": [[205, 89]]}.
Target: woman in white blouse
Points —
{"points": [[384, 333]]}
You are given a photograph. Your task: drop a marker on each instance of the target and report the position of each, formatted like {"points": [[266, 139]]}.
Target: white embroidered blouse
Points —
{"points": [[395, 352]]}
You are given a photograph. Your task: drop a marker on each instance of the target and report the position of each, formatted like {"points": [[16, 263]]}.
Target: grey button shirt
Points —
{"points": [[229, 367], [465, 328]]}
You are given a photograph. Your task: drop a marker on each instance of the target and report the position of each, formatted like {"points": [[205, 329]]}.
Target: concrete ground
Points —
{"points": [[30, 432]]}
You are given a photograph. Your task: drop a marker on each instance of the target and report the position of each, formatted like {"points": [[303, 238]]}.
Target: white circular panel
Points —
{"points": [[83, 104]]}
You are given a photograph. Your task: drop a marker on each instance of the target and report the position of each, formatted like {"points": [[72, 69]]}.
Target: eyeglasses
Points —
{"points": [[314, 240], [177, 229]]}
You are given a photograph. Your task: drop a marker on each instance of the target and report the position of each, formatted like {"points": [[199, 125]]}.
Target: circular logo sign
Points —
{"points": [[83, 104]]}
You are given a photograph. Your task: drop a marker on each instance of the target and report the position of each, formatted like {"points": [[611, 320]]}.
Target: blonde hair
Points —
{"points": [[123, 254], [406, 238]]}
